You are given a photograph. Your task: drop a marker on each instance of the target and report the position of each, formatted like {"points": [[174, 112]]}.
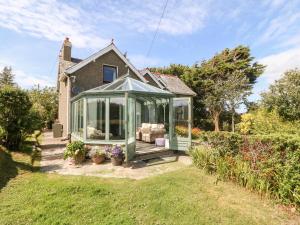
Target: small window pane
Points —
{"points": [[96, 118], [117, 118], [77, 118], [109, 74]]}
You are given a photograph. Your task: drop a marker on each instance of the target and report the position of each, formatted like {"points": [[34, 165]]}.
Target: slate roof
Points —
{"points": [[174, 84]]}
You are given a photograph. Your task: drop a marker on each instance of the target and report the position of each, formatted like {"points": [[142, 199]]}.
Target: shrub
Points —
{"points": [[225, 142], [289, 179], [264, 122], [184, 131], [15, 119], [266, 163], [73, 149], [246, 125], [45, 103], [181, 131], [196, 132]]}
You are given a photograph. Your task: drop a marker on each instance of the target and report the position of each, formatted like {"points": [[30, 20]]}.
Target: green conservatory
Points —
{"points": [[133, 114]]}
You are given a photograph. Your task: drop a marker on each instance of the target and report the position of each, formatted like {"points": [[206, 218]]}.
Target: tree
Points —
{"points": [[15, 115], [284, 96], [237, 90], [7, 77], [213, 79], [45, 103], [174, 69]]}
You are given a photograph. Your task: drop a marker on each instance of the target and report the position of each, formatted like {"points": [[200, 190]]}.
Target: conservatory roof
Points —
{"points": [[126, 84]]}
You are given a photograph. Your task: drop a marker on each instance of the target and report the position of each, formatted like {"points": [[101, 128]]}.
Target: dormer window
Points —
{"points": [[109, 73]]}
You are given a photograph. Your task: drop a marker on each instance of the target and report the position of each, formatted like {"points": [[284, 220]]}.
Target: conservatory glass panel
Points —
{"points": [[181, 116], [131, 128], [162, 106], [138, 114], [72, 117], [117, 118], [95, 118], [77, 113]]}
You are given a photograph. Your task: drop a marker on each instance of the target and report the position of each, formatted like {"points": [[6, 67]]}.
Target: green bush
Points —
{"points": [[15, 119], [45, 103], [74, 148], [289, 179], [263, 122], [225, 142], [269, 164]]}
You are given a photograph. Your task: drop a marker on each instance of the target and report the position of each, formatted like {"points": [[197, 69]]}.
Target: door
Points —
{"points": [[181, 114], [131, 127]]}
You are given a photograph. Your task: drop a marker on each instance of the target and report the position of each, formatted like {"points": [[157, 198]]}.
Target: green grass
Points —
{"points": [[187, 196]]}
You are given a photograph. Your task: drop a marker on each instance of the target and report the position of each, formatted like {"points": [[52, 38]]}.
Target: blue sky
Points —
{"points": [[31, 33]]}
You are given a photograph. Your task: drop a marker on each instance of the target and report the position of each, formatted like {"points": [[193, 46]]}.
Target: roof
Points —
{"points": [[126, 84], [173, 83], [75, 60], [103, 51], [147, 71]]}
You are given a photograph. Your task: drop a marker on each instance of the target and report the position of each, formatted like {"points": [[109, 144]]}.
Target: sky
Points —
{"points": [[32, 32]]}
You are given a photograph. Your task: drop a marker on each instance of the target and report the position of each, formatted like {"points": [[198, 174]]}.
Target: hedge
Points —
{"points": [[269, 164]]}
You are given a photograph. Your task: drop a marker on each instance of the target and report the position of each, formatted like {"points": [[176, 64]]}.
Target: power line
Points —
{"points": [[156, 31]]}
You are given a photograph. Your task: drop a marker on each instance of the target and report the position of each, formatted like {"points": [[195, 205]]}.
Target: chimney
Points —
{"points": [[65, 51]]}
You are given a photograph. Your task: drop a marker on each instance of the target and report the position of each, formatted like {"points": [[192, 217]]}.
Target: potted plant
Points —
{"points": [[97, 155], [76, 151], [116, 154]]}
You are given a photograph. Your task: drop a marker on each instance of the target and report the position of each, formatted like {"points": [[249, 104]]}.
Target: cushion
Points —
{"points": [[154, 125], [160, 126], [145, 125]]}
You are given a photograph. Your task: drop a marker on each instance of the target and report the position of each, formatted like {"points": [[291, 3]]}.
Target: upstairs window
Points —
{"points": [[109, 74]]}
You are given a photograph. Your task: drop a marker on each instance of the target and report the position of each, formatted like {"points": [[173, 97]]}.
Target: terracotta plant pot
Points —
{"points": [[78, 159], [98, 159], [116, 161]]}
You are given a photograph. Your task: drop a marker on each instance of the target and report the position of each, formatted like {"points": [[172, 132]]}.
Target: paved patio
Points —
{"points": [[53, 162]]}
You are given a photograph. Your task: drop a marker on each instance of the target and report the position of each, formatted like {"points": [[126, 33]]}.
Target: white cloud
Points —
{"points": [[49, 19], [280, 23], [280, 62], [181, 16], [86, 22], [141, 61], [26, 80]]}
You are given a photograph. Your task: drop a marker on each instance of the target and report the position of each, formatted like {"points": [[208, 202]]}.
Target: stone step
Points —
{"points": [[153, 155]]}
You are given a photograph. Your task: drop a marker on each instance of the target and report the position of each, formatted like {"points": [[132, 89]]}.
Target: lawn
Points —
{"points": [[187, 196]]}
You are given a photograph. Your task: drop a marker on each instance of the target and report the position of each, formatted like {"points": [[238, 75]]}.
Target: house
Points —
{"points": [[104, 99]]}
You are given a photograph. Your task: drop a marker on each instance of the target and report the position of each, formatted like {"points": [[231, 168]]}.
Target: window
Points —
{"points": [[109, 74], [181, 116], [117, 118], [96, 118], [77, 118]]}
